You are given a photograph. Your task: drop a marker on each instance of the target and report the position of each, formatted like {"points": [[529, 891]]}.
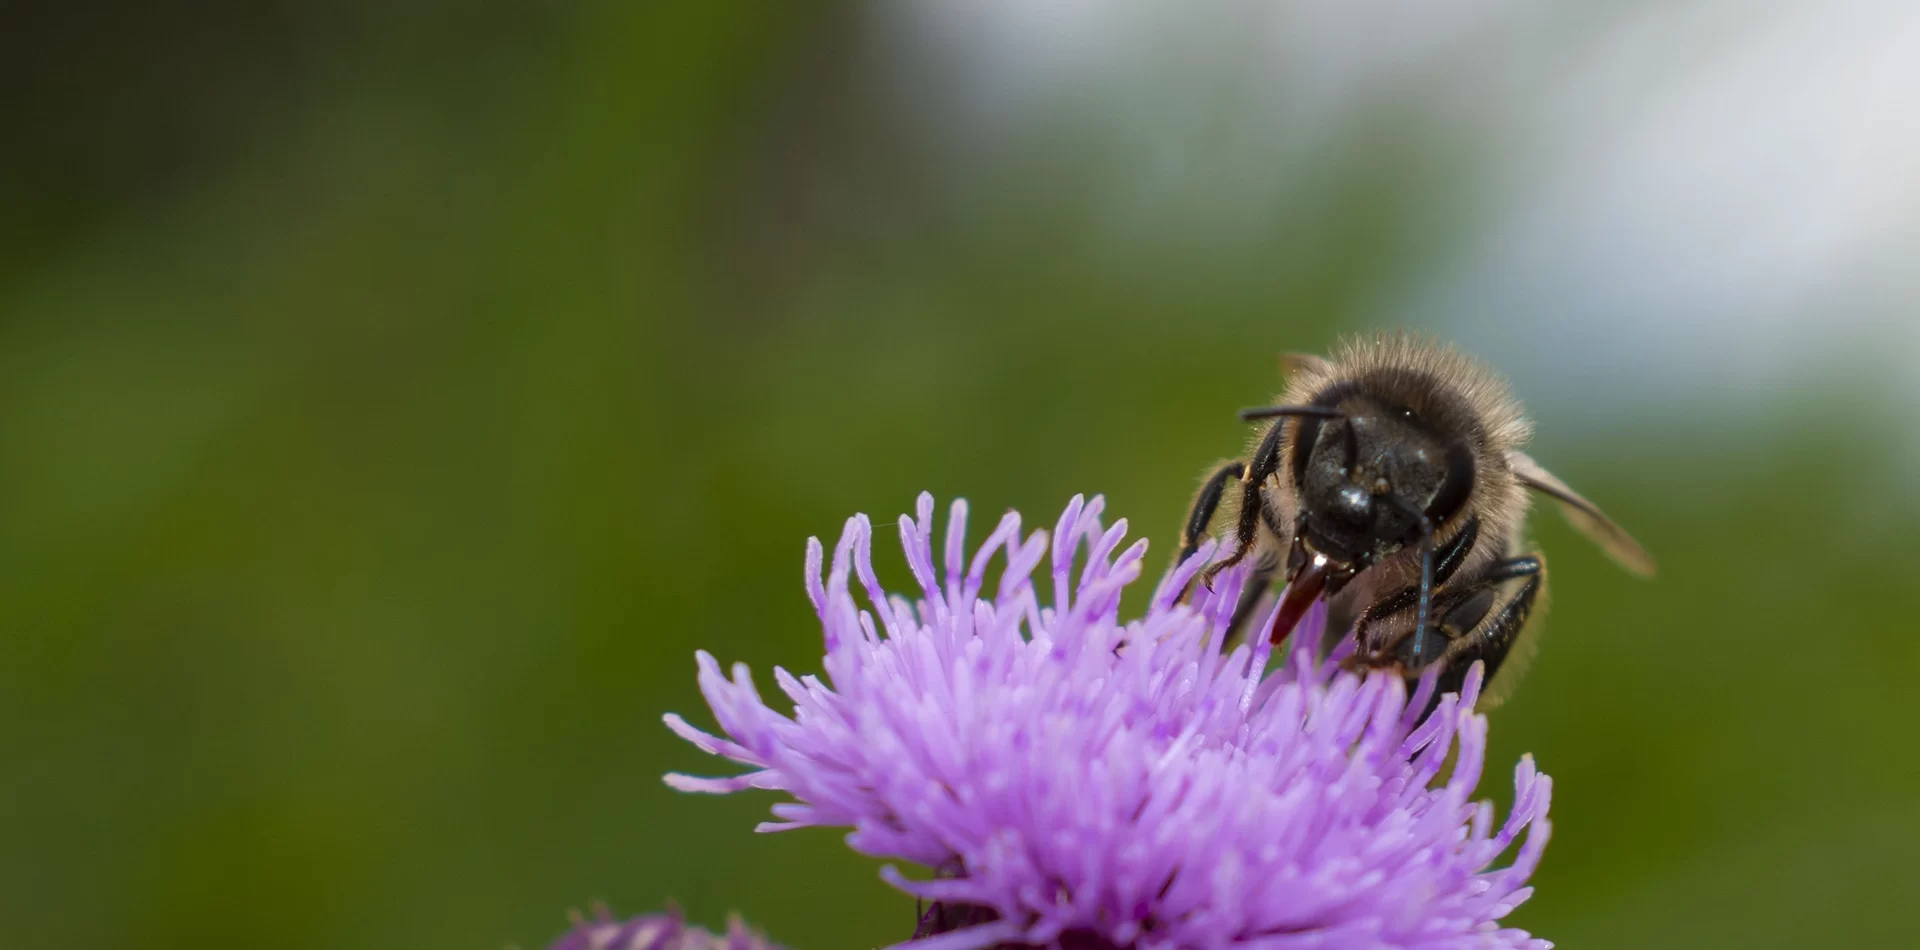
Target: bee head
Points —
{"points": [[1370, 478]]}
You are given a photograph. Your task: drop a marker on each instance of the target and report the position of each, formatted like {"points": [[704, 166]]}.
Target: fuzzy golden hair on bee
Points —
{"points": [[1391, 480], [1423, 369]]}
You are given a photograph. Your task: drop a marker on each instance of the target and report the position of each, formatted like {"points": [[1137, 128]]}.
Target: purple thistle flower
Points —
{"points": [[656, 932], [1084, 782]]}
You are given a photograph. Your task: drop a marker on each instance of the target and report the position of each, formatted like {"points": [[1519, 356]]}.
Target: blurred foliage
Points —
{"points": [[383, 435]]}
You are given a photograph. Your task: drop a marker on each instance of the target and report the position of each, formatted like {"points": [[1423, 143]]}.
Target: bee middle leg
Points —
{"points": [[1492, 637]]}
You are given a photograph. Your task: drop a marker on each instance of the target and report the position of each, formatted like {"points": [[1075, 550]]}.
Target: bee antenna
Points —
{"points": [[1426, 570], [1268, 412]]}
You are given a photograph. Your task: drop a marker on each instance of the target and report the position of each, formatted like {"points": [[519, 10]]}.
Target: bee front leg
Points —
{"points": [[1259, 584], [1266, 461], [1200, 516], [1468, 614], [1446, 562]]}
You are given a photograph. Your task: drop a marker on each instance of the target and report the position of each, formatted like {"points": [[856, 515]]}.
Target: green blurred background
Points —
{"points": [[393, 400]]}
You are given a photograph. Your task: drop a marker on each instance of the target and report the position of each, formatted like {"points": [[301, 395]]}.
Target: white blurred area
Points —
{"points": [[1652, 202]]}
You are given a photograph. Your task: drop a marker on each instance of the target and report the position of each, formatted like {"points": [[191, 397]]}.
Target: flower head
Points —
{"points": [[1087, 781], [656, 932]]}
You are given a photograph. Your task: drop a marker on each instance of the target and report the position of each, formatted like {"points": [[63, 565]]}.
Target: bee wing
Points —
{"points": [[1294, 364], [1584, 515]]}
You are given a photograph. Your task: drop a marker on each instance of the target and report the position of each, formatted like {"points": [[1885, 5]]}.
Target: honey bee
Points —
{"points": [[1390, 480]]}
